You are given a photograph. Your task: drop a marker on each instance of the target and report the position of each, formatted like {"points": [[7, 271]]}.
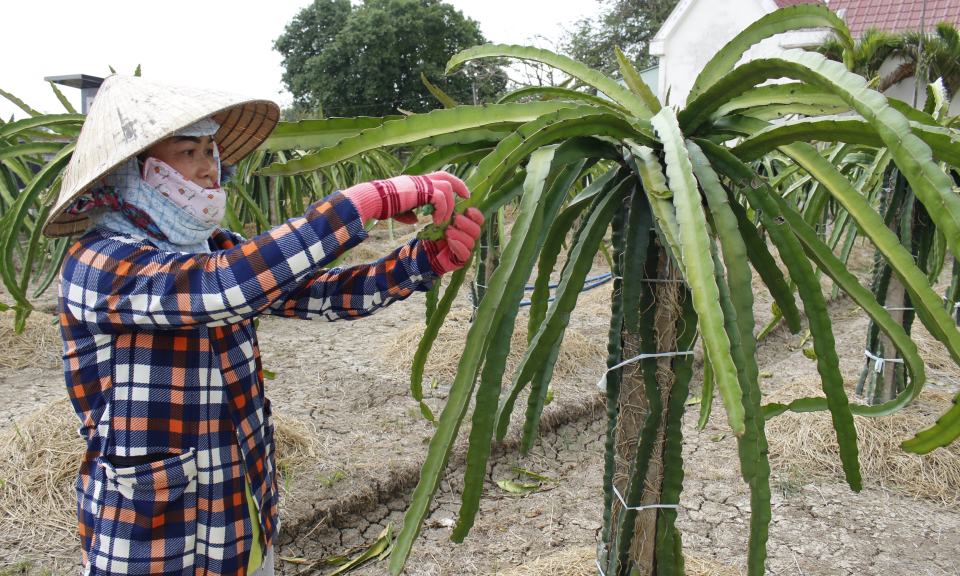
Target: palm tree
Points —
{"points": [[870, 51], [940, 58]]}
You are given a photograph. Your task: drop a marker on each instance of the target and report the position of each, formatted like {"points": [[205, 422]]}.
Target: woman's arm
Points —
{"points": [[356, 292], [117, 284]]}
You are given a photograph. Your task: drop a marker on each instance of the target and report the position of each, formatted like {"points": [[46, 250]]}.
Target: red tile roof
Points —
{"points": [[785, 3], [895, 15]]}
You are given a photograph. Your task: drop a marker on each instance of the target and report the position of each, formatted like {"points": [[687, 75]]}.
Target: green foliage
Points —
{"points": [[369, 58], [602, 83], [614, 357], [421, 128], [668, 164], [714, 180], [551, 92], [636, 84], [33, 154]]}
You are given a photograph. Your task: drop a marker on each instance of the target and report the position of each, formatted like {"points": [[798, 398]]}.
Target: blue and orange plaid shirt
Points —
{"points": [[162, 364]]}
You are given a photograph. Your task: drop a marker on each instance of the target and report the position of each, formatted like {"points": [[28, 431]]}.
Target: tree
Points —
{"points": [[304, 39], [368, 59], [870, 51], [941, 56], [629, 24]]}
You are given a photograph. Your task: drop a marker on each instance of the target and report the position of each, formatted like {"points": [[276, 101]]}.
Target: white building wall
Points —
{"points": [[698, 29], [702, 29]]}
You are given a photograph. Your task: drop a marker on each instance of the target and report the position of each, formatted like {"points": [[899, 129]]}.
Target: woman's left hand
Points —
{"points": [[453, 251], [396, 197]]}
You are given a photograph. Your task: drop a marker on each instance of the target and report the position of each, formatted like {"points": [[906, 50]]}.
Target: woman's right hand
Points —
{"points": [[454, 250]]}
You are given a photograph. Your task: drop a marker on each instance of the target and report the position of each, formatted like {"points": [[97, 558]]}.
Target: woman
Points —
{"points": [[157, 306]]}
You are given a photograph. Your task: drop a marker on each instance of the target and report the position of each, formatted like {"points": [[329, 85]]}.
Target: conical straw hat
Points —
{"points": [[130, 114]]}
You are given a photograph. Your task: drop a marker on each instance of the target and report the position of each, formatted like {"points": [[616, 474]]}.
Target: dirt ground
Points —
{"points": [[336, 385]]}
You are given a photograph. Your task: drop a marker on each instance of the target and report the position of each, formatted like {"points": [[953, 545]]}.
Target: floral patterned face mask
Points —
{"points": [[122, 201], [205, 204]]}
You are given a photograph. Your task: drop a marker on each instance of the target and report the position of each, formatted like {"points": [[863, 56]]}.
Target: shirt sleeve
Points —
{"points": [[351, 293], [115, 283]]}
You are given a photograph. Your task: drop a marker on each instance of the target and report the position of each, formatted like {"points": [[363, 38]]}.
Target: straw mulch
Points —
{"points": [[940, 366], [296, 441], [583, 562], [595, 302], [39, 459], [807, 445], [698, 566], [379, 244], [371, 251], [40, 342], [576, 351]]}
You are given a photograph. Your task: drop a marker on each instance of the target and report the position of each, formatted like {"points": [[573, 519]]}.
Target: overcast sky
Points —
{"points": [[223, 45]]}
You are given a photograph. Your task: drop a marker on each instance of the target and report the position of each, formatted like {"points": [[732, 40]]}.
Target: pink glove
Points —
{"points": [[396, 197], [453, 251]]}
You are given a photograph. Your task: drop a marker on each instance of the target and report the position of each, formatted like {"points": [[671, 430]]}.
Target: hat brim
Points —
{"points": [[243, 128]]}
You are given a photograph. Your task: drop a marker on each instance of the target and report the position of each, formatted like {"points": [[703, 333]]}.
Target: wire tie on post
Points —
{"points": [[602, 384], [648, 506], [889, 309], [878, 362], [624, 503]]}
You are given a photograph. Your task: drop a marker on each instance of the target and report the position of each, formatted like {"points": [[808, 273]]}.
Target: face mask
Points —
{"points": [[206, 204]]}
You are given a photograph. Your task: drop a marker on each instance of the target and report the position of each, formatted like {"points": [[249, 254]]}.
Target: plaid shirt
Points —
{"points": [[161, 358]]}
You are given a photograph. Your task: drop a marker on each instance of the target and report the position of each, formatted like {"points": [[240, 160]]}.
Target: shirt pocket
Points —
{"points": [[147, 520]]}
